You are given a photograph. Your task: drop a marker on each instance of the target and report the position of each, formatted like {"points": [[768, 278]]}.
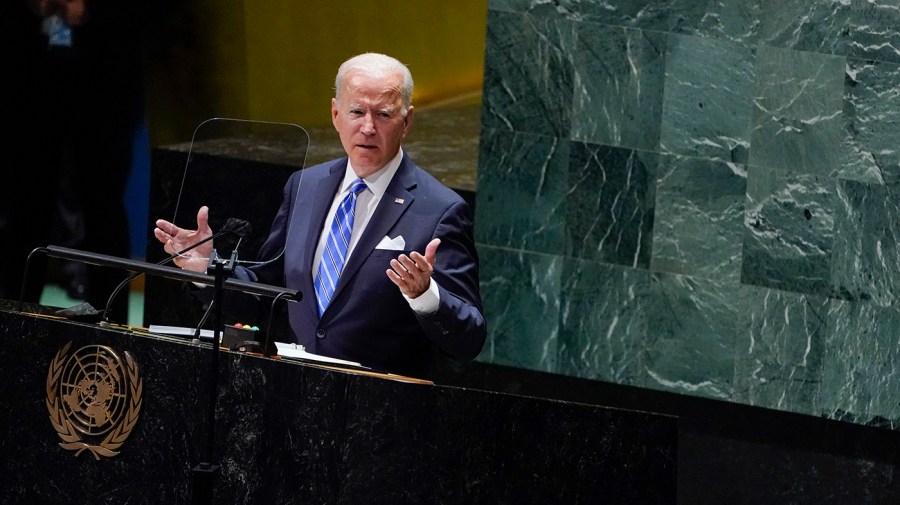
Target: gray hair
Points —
{"points": [[376, 62]]}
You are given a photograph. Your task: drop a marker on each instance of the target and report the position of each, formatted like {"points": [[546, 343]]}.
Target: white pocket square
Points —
{"points": [[392, 244]]}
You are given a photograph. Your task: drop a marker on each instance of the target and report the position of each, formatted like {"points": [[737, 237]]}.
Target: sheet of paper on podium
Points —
{"points": [[294, 351], [179, 331], [285, 350], [297, 351]]}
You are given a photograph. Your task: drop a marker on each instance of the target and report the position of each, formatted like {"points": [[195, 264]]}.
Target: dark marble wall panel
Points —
{"points": [[862, 355], [602, 325], [819, 26], [866, 265], [707, 105], [873, 30], [693, 327], [520, 291], [618, 86], [728, 20], [529, 174], [737, 158], [797, 115], [609, 205], [859, 28], [780, 360], [872, 120], [699, 218], [789, 232], [528, 86]]}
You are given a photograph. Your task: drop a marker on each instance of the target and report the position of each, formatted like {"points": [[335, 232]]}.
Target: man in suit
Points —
{"points": [[406, 288]]}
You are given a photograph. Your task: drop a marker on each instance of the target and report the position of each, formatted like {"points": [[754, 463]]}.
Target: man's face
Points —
{"points": [[369, 119]]}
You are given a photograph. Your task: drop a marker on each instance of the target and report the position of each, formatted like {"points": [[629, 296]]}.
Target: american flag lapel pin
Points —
{"points": [[398, 200]]}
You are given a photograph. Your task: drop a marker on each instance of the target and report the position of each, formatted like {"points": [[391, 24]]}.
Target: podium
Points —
{"points": [[290, 432]]}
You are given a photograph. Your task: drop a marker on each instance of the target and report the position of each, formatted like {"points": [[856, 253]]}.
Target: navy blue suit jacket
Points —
{"points": [[368, 320]]}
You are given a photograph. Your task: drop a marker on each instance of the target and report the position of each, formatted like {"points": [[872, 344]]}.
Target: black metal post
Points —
{"points": [[205, 472]]}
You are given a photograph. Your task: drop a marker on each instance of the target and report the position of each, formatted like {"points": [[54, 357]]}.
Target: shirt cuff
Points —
{"points": [[428, 302]]}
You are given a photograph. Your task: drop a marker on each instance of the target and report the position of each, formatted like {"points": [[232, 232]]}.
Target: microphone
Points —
{"points": [[233, 226], [238, 227]]}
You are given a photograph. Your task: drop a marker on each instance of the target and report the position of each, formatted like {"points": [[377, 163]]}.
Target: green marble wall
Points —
{"points": [[697, 197]]}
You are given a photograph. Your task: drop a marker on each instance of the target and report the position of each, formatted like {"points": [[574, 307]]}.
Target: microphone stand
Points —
{"points": [[205, 472]]}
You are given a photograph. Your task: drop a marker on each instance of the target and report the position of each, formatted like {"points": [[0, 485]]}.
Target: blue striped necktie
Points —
{"points": [[336, 245]]}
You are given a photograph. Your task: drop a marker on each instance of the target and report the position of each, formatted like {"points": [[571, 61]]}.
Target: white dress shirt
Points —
{"points": [[366, 203]]}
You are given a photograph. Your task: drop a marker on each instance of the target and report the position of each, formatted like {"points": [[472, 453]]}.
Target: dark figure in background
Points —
{"points": [[76, 102], [29, 175]]}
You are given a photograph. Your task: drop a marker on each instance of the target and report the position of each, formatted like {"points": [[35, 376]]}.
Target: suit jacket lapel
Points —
{"points": [[320, 202], [386, 215]]}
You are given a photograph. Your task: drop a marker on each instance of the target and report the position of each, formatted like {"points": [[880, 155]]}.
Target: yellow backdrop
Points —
{"points": [[275, 60]]}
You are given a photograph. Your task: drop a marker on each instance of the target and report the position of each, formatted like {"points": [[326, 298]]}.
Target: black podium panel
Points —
{"points": [[287, 432]]}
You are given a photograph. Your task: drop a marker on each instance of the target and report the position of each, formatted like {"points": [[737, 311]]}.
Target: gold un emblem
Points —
{"points": [[94, 399]]}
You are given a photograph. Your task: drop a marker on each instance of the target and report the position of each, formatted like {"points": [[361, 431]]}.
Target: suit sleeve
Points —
{"points": [[458, 326]]}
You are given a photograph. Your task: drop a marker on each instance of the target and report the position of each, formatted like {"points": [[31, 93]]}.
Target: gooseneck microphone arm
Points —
{"points": [[203, 319], [233, 226], [268, 346]]}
